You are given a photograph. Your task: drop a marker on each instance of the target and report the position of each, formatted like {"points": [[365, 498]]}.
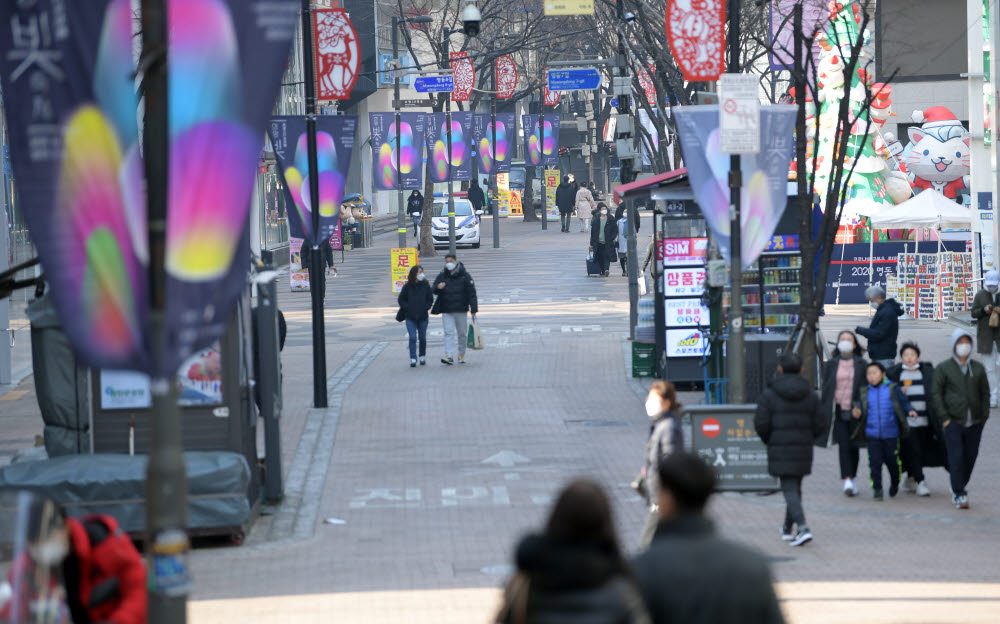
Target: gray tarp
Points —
{"points": [[115, 485]]}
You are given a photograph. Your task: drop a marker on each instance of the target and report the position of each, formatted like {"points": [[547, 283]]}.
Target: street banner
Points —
{"points": [[298, 275], [437, 146], [649, 124], [506, 72], [337, 54], [464, 74], [541, 149], [402, 260], [67, 71], [515, 202], [384, 146], [549, 98], [696, 33], [503, 186], [765, 175], [483, 137], [337, 238], [334, 145], [647, 85], [551, 183], [815, 18]]}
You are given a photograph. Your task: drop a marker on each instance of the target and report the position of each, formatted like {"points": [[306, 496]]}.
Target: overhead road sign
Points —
{"points": [[434, 84], [585, 79], [569, 7]]}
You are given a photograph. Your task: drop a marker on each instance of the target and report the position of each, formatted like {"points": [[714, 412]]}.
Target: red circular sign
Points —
{"points": [[730, 106], [711, 427]]}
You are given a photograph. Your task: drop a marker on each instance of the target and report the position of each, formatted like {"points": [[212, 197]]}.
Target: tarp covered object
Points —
{"points": [[218, 483]]}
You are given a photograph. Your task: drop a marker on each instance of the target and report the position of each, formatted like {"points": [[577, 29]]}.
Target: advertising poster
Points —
{"points": [[551, 183], [686, 313], [437, 146], [686, 343], [199, 382], [403, 259], [483, 137], [384, 146], [539, 148], [683, 282], [298, 276], [515, 203], [503, 186], [683, 251]]}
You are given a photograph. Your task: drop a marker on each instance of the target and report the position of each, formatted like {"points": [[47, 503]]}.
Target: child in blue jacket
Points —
{"points": [[881, 415]]}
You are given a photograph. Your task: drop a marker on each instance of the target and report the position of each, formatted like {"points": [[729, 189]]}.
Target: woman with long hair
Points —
{"points": [[415, 301], [574, 571], [843, 378]]}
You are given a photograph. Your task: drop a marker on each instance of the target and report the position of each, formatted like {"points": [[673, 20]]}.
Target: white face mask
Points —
{"points": [[963, 350], [653, 407], [874, 304], [845, 346], [50, 552], [421, 276], [604, 212], [992, 289], [450, 266]]}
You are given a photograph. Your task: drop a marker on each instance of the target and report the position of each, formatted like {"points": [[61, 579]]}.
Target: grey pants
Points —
{"points": [[791, 487], [456, 330]]}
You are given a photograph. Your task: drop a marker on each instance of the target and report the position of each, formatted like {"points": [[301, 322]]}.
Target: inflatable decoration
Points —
{"points": [[939, 154]]}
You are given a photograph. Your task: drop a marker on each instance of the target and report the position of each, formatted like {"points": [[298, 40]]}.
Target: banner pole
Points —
{"points": [[735, 357], [493, 159]]}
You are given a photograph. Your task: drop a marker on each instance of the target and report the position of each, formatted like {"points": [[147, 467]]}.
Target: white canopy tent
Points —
{"points": [[928, 209]]}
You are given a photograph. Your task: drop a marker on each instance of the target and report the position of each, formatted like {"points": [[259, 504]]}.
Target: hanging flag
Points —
{"points": [[437, 146], [765, 175], [696, 32], [506, 72], [337, 52], [68, 78], [815, 18], [384, 146], [647, 85], [334, 145], [541, 149], [464, 74], [483, 136]]}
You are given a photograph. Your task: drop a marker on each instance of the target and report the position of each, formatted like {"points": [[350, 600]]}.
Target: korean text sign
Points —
{"points": [[403, 259]]}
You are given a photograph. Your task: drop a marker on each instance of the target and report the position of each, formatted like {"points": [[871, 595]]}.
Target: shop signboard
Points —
{"points": [[724, 436], [683, 282], [551, 183], [682, 251], [503, 186], [298, 276], [686, 313], [403, 259], [689, 342]]}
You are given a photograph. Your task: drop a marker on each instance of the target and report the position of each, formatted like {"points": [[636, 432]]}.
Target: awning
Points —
{"points": [[646, 184]]}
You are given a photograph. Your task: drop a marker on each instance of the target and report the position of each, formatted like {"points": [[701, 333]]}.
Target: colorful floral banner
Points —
{"points": [[506, 72], [384, 145], [696, 32]]}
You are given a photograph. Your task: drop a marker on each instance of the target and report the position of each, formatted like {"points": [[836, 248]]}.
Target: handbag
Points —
{"points": [[995, 318], [475, 339], [400, 315]]}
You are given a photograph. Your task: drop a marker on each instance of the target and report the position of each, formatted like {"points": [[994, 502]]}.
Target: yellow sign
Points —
{"points": [[551, 183], [503, 185], [515, 203], [569, 7], [403, 259]]}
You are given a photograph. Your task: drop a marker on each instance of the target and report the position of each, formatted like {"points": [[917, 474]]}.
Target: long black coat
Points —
{"points": [[789, 417], [459, 293], [565, 198], [690, 575], [416, 300], [883, 330], [829, 388], [610, 231]]}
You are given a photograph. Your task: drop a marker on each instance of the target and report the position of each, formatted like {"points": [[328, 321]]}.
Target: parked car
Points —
{"points": [[466, 223]]}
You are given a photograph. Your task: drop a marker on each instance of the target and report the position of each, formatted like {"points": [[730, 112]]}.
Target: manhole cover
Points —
{"points": [[597, 423]]}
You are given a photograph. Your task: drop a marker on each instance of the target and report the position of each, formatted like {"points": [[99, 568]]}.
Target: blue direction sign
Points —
{"points": [[434, 84], [584, 79]]}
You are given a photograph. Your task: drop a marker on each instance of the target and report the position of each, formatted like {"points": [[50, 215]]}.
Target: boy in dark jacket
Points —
{"points": [[789, 417], [881, 415]]}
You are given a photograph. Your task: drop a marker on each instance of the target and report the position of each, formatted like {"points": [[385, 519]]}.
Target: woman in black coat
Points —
{"points": [[838, 420], [574, 573], [415, 301]]}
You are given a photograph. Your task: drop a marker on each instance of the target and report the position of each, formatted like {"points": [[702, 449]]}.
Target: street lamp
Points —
{"points": [[448, 32], [401, 216], [493, 145]]}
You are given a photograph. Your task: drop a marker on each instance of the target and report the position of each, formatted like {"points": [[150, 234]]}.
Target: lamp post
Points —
{"points": [[735, 357], [396, 22], [448, 32], [493, 146], [541, 154]]}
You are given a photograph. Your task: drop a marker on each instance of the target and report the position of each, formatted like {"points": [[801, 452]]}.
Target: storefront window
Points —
{"points": [[273, 216]]}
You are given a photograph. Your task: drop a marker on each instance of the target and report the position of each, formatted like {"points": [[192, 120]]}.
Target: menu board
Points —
{"points": [[724, 436]]}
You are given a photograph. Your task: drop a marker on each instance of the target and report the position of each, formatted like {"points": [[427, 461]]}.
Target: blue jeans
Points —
{"points": [[414, 328]]}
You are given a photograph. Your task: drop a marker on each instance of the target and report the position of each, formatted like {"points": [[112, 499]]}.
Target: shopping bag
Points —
{"points": [[995, 319], [642, 285], [475, 341]]}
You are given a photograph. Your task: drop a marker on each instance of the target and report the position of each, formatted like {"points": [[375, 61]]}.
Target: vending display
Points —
{"points": [[771, 290]]}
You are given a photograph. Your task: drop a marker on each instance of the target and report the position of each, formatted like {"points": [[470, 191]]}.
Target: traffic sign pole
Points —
{"points": [[541, 156], [735, 358]]}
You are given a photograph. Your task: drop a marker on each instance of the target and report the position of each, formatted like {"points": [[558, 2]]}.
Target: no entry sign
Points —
{"points": [[724, 436], [711, 427]]}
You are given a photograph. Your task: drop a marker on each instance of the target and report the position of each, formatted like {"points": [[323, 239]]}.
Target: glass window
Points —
{"points": [[462, 208], [273, 216]]}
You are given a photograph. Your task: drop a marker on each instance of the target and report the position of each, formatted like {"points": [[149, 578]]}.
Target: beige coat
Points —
{"points": [[584, 203]]}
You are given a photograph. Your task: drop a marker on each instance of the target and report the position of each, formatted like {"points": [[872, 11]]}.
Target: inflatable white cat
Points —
{"points": [[939, 154]]}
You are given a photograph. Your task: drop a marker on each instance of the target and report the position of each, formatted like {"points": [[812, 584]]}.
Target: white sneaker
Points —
{"points": [[801, 538], [922, 489], [849, 488], [910, 485]]}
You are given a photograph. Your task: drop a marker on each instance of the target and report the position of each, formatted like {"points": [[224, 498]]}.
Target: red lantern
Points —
{"points": [[506, 73], [464, 74], [337, 54], [697, 38]]}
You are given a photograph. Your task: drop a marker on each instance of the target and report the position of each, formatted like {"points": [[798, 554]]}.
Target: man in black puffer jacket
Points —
{"points": [[456, 297], [789, 417]]}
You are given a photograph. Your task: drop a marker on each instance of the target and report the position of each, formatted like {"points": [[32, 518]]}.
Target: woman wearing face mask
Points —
{"points": [[843, 378], [665, 438], [603, 235], [415, 300], [584, 207]]}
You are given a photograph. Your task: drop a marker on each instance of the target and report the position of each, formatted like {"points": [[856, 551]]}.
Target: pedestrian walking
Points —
{"points": [[456, 297], [621, 220], [603, 234], [884, 327], [843, 379], [585, 205], [788, 419], [986, 310], [881, 415], [691, 575], [305, 258], [961, 398], [650, 258], [565, 200], [415, 301], [914, 379], [665, 437], [414, 207], [476, 196], [574, 571], [594, 192]]}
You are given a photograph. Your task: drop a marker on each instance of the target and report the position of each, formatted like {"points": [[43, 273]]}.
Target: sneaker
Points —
{"points": [[910, 485], [922, 489], [423, 361], [893, 490], [877, 495], [447, 360], [963, 501], [801, 538], [461, 359], [849, 488], [787, 533], [413, 363]]}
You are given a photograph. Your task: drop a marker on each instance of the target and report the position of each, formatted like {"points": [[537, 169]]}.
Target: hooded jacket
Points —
{"points": [[789, 418], [414, 203], [416, 300], [884, 329], [957, 395], [572, 583], [565, 197], [459, 294]]}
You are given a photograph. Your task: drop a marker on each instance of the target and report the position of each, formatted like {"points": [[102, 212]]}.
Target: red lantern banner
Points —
{"points": [[464, 74], [550, 98], [697, 37], [647, 85], [337, 54], [506, 72]]}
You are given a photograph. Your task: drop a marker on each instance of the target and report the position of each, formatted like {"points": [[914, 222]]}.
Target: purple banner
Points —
{"points": [[334, 145], [384, 145], [483, 135], [765, 175], [437, 146], [539, 148], [815, 18]]}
